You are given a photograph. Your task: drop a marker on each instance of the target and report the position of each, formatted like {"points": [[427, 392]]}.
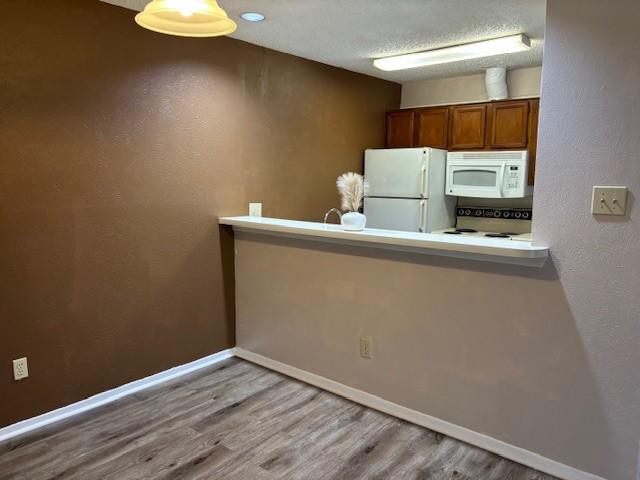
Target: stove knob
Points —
{"points": [[467, 212], [497, 214], [518, 214], [478, 213], [525, 214], [461, 211], [506, 214]]}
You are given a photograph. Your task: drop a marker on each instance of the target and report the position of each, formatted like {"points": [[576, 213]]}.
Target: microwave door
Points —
{"points": [[484, 181]]}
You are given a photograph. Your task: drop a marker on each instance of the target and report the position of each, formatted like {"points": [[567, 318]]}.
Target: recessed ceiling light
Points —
{"points": [[252, 16], [486, 48]]}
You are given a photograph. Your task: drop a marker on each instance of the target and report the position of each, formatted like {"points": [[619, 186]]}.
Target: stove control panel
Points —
{"points": [[507, 213]]}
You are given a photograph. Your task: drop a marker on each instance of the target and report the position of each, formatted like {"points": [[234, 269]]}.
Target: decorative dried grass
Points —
{"points": [[351, 188]]}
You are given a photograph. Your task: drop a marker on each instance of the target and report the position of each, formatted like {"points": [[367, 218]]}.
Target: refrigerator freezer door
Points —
{"points": [[396, 173], [395, 213]]}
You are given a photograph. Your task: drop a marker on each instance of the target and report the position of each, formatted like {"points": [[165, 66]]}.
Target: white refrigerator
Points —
{"points": [[405, 190]]}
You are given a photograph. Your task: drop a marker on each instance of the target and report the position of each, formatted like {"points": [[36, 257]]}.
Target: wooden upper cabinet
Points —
{"points": [[400, 129], [431, 127], [534, 108], [467, 127], [508, 124]]}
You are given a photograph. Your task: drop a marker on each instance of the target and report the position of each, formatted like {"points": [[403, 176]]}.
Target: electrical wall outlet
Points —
{"points": [[365, 347], [609, 200], [20, 368], [255, 209]]}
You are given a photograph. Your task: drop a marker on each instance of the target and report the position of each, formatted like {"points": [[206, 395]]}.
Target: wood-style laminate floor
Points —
{"points": [[240, 421]]}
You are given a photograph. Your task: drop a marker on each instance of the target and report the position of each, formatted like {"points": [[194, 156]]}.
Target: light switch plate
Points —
{"points": [[609, 200], [255, 209]]}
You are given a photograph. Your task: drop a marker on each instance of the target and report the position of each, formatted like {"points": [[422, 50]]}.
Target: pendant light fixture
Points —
{"points": [[186, 18]]}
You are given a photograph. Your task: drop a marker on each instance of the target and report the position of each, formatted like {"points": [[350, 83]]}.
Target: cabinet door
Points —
{"points": [[467, 129], [400, 129], [432, 127], [508, 124], [534, 108]]}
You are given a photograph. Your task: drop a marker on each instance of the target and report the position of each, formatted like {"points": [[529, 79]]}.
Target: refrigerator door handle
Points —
{"points": [[423, 181], [422, 216]]}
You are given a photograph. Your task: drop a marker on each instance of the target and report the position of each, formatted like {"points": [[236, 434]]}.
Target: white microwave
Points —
{"points": [[490, 174]]}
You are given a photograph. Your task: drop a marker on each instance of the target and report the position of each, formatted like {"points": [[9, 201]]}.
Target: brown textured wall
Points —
{"points": [[118, 149]]}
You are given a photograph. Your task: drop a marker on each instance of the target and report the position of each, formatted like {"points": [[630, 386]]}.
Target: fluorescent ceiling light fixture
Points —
{"points": [[485, 48], [252, 16], [186, 18]]}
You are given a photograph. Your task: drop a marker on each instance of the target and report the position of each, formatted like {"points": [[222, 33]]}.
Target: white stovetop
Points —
{"points": [[474, 247], [521, 237]]}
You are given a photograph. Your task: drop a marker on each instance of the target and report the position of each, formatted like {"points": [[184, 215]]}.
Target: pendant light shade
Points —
{"points": [[186, 18]]}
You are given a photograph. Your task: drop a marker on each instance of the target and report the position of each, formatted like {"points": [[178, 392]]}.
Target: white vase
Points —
{"points": [[353, 221]]}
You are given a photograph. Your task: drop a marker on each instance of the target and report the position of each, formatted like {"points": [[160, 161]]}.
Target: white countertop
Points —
{"points": [[477, 248]]}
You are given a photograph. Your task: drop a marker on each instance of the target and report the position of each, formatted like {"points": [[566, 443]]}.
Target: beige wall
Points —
{"points": [[119, 148], [493, 348], [547, 359], [522, 83]]}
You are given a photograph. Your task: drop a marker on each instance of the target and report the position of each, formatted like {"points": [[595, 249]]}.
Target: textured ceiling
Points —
{"points": [[351, 33]]}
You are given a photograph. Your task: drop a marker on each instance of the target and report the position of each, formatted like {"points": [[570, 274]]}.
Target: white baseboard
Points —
{"points": [[499, 447], [109, 396], [485, 442]]}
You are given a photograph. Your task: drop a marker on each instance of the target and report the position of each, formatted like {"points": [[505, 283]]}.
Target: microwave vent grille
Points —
{"points": [[487, 155]]}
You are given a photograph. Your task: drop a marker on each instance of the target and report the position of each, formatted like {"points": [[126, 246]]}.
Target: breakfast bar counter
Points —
{"points": [[475, 248]]}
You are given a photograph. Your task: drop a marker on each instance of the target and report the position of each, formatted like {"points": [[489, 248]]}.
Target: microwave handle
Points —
{"points": [[501, 180]]}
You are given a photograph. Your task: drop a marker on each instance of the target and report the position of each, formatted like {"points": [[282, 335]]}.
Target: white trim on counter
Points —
{"points": [[475, 248]]}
